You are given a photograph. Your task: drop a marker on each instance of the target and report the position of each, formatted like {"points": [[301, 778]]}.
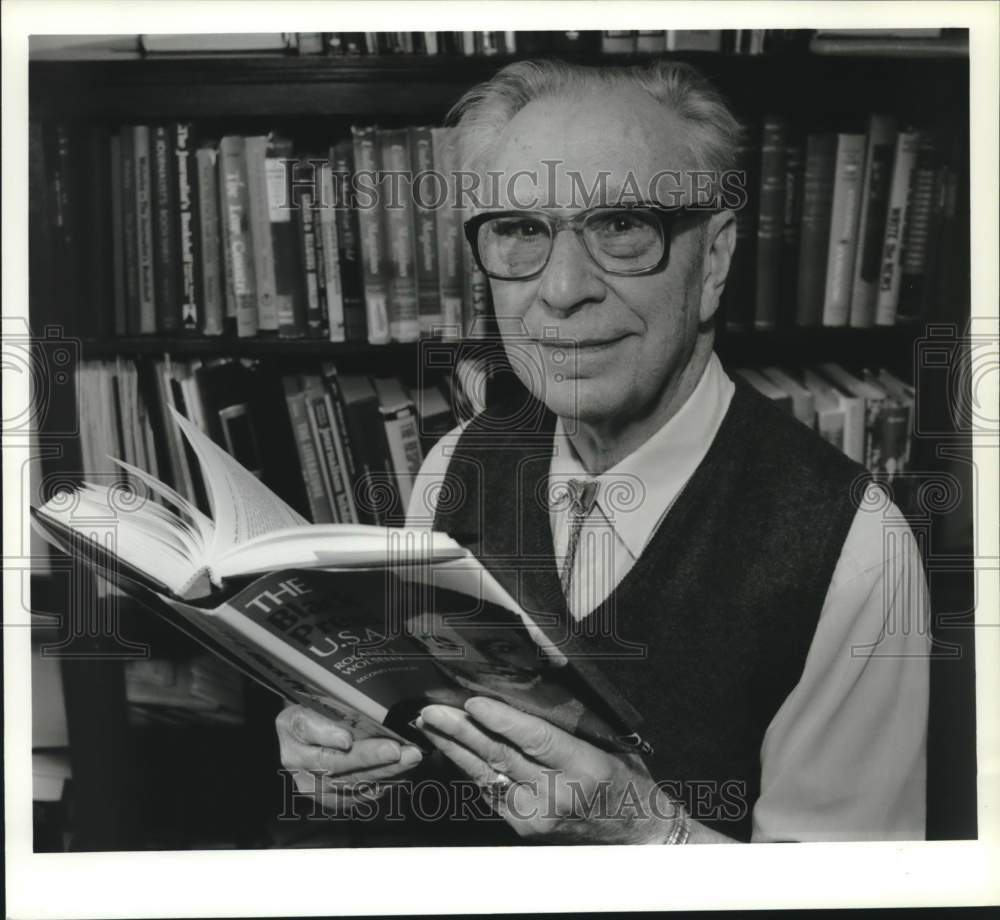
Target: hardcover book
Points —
{"points": [[365, 625]]}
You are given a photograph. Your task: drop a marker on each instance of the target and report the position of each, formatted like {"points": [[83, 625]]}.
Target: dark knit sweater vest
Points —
{"points": [[708, 632]]}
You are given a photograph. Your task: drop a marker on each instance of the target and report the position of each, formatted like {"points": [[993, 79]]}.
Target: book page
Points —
{"points": [[242, 506]]}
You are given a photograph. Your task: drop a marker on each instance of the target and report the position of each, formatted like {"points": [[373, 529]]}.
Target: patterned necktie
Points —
{"points": [[582, 496]]}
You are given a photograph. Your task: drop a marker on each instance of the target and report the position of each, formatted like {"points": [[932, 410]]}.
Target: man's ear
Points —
{"points": [[720, 244]]}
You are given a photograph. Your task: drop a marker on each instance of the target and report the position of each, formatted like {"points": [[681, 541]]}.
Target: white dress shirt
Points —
{"points": [[844, 758]]}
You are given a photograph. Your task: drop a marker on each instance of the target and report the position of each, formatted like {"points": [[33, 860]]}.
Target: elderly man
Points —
{"points": [[720, 536]]}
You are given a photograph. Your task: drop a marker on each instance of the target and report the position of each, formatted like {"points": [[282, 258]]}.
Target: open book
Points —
{"points": [[364, 624]]}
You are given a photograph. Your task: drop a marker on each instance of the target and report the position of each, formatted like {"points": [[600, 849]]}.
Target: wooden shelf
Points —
{"points": [[424, 86]]}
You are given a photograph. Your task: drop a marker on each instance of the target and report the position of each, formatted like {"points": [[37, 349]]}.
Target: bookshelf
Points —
{"points": [[117, 766]]}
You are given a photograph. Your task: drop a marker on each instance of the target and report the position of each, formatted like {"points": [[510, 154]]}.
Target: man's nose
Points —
{"points": [[571, 278]]}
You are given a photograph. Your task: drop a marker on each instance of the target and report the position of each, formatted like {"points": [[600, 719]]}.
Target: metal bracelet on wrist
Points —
{"points": [[681, 830]]}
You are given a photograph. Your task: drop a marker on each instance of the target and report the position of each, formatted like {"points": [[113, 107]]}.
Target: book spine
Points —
{"points": [[98, 259], [770, 223], [892, 241], [397, 214], [320, 508], [789, 276], [916, 230], [144, 228], [323, 423], [428, 285], [377, 493], [241, 297], [450, 239], [651, 41], [738, 299], [349, 450], [289, 297], [259, 223], [118, 237], [210, 251], [165, 223], [189, 225], [129, 233], [318, 244], [371, 235], [306, 214], [871, 226], [345, 213], [620, 41], [331, 257], [404, 449], [843, 229], [817, 201]]}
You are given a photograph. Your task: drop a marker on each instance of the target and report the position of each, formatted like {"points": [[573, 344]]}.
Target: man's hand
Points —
{"points": [[564, 789], [330, 765]]}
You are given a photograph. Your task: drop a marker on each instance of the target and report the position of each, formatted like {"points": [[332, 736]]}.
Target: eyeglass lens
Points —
{"points": [[517, 246]]}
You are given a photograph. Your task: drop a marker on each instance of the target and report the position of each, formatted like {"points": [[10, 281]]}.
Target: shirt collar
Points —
{"points": [[637, 492]]}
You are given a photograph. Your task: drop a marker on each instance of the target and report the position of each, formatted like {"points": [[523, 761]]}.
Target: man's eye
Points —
{"points": [[620, 223], [518, 228]]}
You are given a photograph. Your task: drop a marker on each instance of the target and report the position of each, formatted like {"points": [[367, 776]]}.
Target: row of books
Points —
{"points": [[245, 235], [869, 416], [340, 448], [346, 448], [843, 228], [488, 43]]}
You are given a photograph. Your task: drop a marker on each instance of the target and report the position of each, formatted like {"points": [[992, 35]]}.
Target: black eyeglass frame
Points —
{"points": [[664, 214]]}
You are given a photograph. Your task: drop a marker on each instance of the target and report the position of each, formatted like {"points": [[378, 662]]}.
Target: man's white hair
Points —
{"points": [[484, 111]]}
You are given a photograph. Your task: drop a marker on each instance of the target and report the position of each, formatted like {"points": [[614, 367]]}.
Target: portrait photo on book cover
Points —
{"points": [[502, 438]]}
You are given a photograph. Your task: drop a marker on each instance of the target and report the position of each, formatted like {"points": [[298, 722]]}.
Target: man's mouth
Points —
{"points": [[589, 344]]}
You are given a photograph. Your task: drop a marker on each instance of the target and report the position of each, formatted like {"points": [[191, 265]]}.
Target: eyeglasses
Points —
{"points": [[517, 245]]}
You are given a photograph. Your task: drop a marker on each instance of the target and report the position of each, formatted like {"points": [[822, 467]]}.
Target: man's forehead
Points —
{"points": [[613, 131]]}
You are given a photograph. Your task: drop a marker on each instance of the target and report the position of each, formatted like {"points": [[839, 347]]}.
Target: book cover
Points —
{"points": [[770, 221], [320, 507], [237, 247], [425, 194], [871, 225], [846, 208], [166, 221], [396, 206], [259, 224], [145, 246], [373, 246], [189, 224], [210, 243], [289, 296], [348, 243], [814, 234], [450, 238]]}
